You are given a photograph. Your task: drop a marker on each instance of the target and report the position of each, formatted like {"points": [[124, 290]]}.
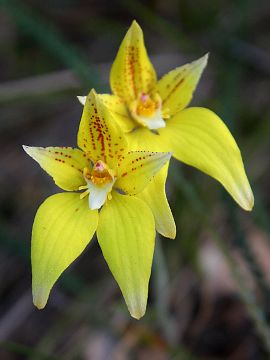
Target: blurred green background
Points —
{"points": [[209, 291]]}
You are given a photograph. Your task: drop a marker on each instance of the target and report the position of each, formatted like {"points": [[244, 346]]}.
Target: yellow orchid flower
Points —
{"points": [[110, 177], [153, 113]]}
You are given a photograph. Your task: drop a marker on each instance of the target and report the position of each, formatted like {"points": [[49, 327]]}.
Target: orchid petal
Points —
{"points": [[176, 88], [155, 197], [199, 138], [143, 138], [99, 135], [126, 235], [62, 229], [138, 168], [98, 194], [132, 72], [119, 111], [82, 99], [65, 165]]}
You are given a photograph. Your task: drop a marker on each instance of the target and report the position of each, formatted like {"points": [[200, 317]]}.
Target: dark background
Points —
{"points": [[209, 291]]}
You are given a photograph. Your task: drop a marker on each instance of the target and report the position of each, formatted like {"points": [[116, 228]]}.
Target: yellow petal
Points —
{"points": [[143, 138], [176, 88], [64, 164], [63, 227], [126, 235], [132, 72], [199, 138], [119, 111], [138, 168], [155, 197], [99, 135]]}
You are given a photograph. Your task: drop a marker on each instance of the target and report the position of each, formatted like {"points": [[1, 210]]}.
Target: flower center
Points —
{"points": [[146, 106], [99, 183], [100, 175], [147, 111]]}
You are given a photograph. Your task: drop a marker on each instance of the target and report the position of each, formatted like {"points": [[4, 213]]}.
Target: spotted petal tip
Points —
{"points": [[132, 73]]}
